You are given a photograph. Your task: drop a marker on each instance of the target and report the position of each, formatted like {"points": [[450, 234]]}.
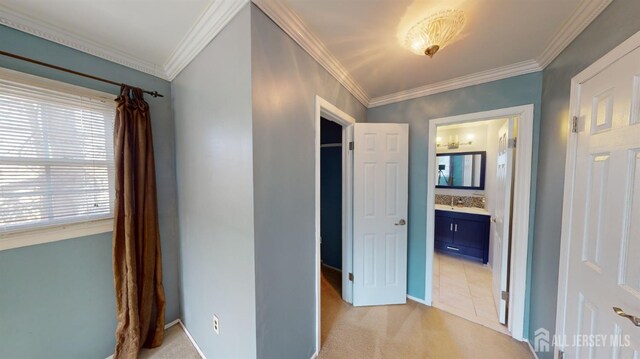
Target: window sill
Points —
{"points": [[54, 233]]}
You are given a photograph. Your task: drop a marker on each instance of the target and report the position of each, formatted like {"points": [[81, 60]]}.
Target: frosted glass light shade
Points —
{"points": [[435, 32]]}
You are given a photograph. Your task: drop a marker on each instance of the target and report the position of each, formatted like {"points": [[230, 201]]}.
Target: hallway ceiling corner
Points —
{"points": [[212, 20], [586, 12], [293, 25]]}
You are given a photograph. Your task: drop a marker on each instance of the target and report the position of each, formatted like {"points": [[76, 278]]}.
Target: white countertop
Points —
{"points": [[471, 210]]}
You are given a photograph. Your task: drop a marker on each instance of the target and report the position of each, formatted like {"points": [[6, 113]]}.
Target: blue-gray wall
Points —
{"points": [[212, 102], [285, 80], [514, 91], [57, 299], [616, 23]]}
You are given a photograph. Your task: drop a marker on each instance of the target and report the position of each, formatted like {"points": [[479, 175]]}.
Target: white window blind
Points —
{"points": [[56, 156]]}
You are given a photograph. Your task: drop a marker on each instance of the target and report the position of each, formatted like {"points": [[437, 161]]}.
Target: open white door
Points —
{"points": [[601, 222], [380, 181], [502, 225]]}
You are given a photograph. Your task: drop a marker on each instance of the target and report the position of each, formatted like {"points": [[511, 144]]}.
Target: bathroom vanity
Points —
{"points": [[463, 231]]}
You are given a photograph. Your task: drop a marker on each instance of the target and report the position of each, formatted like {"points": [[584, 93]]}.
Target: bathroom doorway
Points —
{"points": [[473, 188], [477, 217]]}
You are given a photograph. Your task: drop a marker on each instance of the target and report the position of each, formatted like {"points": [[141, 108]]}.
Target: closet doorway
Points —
{"points": [[334, 220]]}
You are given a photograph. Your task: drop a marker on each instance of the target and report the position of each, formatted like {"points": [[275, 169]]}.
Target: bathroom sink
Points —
{"points": [[472, 210]]}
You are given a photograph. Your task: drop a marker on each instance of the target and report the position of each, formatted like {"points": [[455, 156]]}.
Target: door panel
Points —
{"points": [[380, 214], [502, 227], [604, 237]]}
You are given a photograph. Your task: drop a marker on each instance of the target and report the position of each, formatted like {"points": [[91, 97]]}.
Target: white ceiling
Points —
{"points": [[357, 41], [365, 35], [135, 29], [145, 29], [159, 37]]}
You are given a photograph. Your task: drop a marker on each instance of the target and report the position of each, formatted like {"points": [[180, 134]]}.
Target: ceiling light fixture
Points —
{"points": [[434, 32]]}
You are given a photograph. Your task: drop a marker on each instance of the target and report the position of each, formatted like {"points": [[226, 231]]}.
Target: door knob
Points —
{"points": [[635, 320], [401, 222]]}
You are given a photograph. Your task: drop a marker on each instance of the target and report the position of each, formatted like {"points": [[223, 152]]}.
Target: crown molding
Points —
{"points": [[291, 24], [219, 12], [24, 23], [584, 14], [210, 22], [500, 73]]}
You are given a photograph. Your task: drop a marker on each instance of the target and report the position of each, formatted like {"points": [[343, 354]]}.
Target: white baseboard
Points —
{"points": [[178, 321], [531, 348], [191, 339], [167, 326], [421, 301]]}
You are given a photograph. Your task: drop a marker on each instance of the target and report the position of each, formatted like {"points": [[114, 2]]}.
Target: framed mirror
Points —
{"points": [[461, 170]]}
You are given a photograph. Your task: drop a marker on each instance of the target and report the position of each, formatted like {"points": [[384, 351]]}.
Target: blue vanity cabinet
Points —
{"points": [[444, 225], [463, 234]]}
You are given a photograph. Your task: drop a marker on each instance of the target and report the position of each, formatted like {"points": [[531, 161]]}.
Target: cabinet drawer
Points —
{"points": [[465, 251]]}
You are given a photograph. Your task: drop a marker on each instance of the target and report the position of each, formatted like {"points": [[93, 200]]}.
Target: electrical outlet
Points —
{"points": [[216, 324]]}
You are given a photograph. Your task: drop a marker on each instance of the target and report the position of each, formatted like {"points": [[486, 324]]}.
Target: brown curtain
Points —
{"points": [[137, 260]]}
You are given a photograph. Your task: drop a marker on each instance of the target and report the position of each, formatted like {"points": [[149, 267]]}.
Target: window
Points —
{"points": [[56, 154]]}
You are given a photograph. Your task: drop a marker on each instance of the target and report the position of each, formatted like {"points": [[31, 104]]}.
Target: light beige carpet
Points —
{"points": [[411, 330], [176, 345]]}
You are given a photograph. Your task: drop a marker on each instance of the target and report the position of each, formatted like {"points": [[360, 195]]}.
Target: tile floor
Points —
{"points": [[464, 288]]}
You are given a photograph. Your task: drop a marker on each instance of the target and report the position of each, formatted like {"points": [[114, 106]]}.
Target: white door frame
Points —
{"points": [[620, 51], [324, 108], [521, 202]]}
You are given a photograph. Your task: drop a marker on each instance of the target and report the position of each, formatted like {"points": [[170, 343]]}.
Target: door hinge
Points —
{"points": [[560, 354], [574, 124], [513, 142], [351, 146], [350, 277], [504, 295]]}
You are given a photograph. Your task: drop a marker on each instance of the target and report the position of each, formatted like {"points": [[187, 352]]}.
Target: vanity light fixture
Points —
{"points": [[454, 142], [434, 32]]}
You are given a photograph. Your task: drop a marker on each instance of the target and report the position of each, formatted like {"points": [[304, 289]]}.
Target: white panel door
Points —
{"points": [[604, 215], [502, 225], [380, 188]]}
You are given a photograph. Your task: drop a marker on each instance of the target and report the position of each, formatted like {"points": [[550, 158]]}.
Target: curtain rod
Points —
{"points": [[55, 67]]}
